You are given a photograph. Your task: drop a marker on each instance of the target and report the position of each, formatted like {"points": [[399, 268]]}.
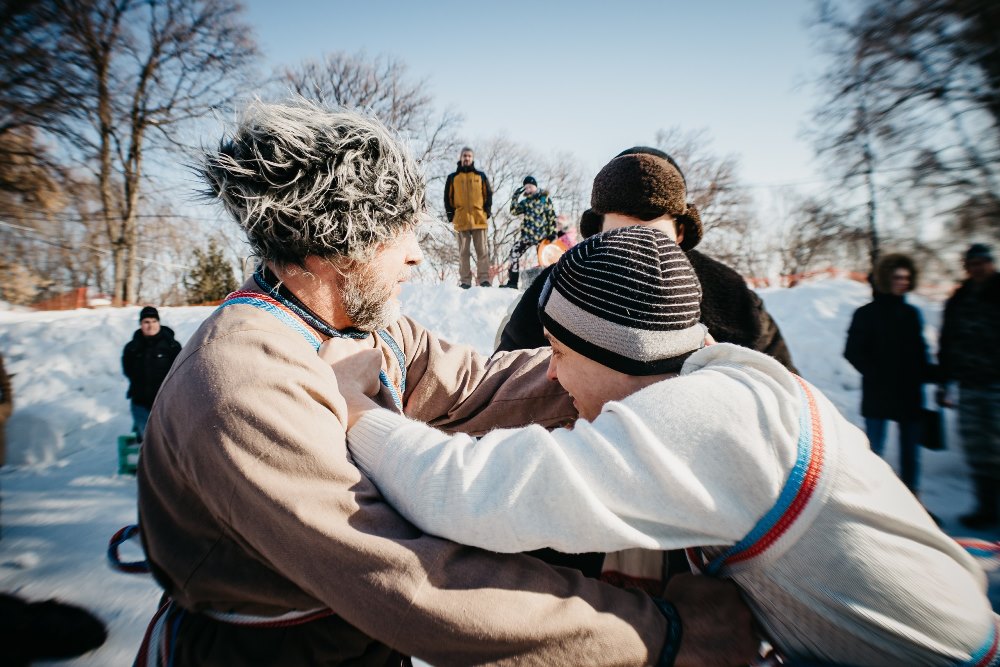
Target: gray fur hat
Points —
{"points": [[301, 180]]}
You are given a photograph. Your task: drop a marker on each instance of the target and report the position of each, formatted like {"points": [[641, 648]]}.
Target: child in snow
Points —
{"points": [[714, 448]]}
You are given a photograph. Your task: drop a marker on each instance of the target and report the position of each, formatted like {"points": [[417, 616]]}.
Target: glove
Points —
{"points": [[518, 191]]}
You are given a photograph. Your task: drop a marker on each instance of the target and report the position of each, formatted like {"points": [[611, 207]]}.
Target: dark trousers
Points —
{"points": [[909, 447]]}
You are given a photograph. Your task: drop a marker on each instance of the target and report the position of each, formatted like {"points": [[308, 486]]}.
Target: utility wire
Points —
{"points": [[33, 234]]}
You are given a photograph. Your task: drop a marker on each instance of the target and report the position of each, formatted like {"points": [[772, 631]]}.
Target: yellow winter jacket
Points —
{"points": [[468, 198]]}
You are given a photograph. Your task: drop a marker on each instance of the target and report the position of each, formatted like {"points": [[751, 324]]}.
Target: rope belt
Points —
{"points": [[159, 641]]}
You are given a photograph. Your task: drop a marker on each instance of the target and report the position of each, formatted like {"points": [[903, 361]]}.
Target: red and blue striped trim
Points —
{"points": [[988, 655], [799, 488], [115, 561], [276, 308], [294, 320]]}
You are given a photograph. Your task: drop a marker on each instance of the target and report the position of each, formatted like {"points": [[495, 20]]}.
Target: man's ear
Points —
{"points": [[679, 227]]}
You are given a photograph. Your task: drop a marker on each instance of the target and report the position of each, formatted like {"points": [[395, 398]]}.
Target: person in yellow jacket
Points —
{"points": [[468, 200]]}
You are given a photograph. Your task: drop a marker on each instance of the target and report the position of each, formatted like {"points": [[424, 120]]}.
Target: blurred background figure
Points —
{"points": [[885, 343], [970, 354], [6, 408], [538, 223], [146, 360]]}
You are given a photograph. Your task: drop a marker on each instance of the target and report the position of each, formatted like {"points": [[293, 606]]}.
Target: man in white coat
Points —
{"points": [[683, 444]]}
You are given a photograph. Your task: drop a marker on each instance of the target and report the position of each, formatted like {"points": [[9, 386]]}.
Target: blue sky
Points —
{"points": [[585, 77]]}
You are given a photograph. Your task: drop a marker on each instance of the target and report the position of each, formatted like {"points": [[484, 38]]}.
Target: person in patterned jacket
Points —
{"points": [[539, 223]]}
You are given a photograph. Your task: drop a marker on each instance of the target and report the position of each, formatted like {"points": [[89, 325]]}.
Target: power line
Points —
{"points": [[34, 235]]}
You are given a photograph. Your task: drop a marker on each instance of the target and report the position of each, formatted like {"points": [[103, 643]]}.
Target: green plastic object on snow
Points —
{"points": [[128, 454]]}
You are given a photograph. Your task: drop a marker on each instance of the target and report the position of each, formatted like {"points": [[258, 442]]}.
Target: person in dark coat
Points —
{"points": [[970, 355], [644, 185], [146, 360], [885, 343]]}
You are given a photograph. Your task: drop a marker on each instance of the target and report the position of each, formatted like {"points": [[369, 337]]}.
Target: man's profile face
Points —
{"points": [[150, 326], [664, 223], [979, 269], [466, 158], [371, 291], [901, 281], [589, 383]]}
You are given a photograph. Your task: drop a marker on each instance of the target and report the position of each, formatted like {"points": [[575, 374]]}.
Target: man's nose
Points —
{"points": [[414, 255], [550, 372]]}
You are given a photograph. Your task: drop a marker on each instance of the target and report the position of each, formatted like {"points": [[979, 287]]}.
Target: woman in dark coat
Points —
{"points": [[886, 345]]}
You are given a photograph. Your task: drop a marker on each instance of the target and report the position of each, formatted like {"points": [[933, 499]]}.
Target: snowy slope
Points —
{"points": [[62, 499]]}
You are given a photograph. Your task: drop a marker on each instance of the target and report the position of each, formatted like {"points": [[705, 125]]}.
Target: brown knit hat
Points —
{"points": [[646, 183]]}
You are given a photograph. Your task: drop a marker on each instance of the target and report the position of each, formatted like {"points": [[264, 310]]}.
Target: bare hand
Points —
{"points": [[718, 627], [357, 368]]}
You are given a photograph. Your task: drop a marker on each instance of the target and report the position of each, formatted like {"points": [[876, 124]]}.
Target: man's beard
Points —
{"points": [[368, 300]]}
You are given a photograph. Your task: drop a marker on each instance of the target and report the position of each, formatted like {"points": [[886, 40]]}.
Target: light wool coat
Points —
{"points": [[249, 503], [861, 577]]}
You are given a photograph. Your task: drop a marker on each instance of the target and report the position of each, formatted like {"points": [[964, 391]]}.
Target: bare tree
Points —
{"points": [[380, 85], [143, 68], [724, 203], [506, 163], [35, 86], [911, 104], [815, 234]]}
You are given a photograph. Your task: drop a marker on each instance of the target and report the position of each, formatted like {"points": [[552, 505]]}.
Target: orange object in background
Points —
{"points": [[549, 252]]}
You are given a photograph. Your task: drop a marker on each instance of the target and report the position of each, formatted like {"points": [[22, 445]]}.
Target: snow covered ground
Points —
{"points": [[61, 498]]}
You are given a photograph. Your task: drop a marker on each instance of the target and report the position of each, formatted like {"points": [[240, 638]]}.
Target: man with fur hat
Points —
{"points": [[468, 201], [644, 186], [538, 223], [885, 343], [969, 353], [684, 444], [272, 547], [146, 360]]}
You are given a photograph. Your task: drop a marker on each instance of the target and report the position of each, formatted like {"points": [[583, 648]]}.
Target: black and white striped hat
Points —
{"points": [[628, 299]]}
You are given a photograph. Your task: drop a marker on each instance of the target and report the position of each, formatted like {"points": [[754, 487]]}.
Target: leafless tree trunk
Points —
{"points": [[145, 67]]}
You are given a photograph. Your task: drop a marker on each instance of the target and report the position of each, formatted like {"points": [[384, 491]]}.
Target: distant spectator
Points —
{"points": [[468, 200], [885, 343], [521, 329], [145, 361], [6, 408], [644, 186], [970, 353], [538, 223]]}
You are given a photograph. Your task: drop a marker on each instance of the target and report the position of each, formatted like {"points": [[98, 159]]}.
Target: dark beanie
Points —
{"points": [[148, 311], [529, 180], [628, 299], [646, 183], [979, 251]]}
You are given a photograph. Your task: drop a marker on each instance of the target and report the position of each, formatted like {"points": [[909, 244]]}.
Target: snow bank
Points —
{"points": [[62, 499]]}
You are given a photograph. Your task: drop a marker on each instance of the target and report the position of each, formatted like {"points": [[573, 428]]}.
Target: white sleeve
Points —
{"points": [[603, 486]]}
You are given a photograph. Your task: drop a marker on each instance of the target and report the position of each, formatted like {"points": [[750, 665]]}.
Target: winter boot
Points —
{"points": [[511, 280], [985, 514]]}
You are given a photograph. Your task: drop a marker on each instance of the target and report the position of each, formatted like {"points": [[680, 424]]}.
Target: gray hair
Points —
{"points": [[302, 179]]}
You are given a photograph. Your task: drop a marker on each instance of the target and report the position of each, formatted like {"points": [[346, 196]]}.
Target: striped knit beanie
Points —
{"points": [[628, 299]]}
